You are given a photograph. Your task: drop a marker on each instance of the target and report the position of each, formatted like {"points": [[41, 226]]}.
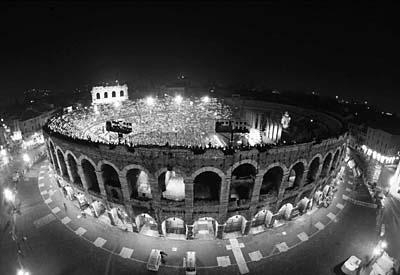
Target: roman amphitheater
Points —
{"points": [[175, 176]]}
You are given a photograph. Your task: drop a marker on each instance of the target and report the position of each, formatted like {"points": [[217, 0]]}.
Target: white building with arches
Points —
{"points": [[109, 94]]}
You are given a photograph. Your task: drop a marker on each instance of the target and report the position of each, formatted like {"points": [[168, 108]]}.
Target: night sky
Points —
{"points": [[347, 50]]}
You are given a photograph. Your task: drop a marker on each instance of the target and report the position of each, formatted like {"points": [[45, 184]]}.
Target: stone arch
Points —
{"points": [[313, 168], [105, 95], [102, 162], [61, 160], [296, 173], [326, 165], [97, 95], [111, 180], [272, 179], [121, 93], [173, 225], [207, 183], [243, 177], [73, 167], [171, 183], [234, 223], [89, 173], [113, 94], [243, 161], [137, 178]]}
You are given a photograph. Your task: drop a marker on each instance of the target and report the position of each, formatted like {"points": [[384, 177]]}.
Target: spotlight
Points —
{"points": [[178, 99], [149, 100], [8, 195], [26, 158], [205, 99]]}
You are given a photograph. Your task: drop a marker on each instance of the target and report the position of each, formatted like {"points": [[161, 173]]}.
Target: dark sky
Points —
{"points": [[348, 50]]}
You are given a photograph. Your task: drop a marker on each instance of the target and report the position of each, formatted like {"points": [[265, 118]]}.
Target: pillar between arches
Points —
{"points": [[71, 178], [99, 175], [256, 189], [189, 194], [124, 188], [304, 178], [154, 189], [224, 198], [82, 176], [283, 185]]}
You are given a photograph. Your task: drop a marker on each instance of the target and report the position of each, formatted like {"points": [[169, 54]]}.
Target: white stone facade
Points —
{"points": [[109, 94]]}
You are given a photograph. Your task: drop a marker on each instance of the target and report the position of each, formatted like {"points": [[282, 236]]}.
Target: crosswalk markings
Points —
{"points": [[331, 216], [282, 247], [319, 226], [255, 256], [43, 192], [55, 210], [303, 236], [80, 231], [99, 242], [340, 206], [47, 201], [44, 220], [223, 261], [65, 220], [237, 253], [126, 252]]}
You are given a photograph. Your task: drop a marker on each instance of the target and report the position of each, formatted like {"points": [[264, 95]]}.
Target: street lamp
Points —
{"points": [[26, 157], [9, 195], [23, 272]]}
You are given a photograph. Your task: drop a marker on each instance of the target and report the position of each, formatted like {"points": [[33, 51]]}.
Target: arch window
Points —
{"points": [[138, 184], [242, 182], [105, 95], [121, 93], [271, 182], [207, 186], [113, 94], [90, 176], [97, 95]]}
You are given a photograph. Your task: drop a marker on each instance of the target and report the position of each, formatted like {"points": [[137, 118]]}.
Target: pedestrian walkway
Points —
{"points": [[238, 251]]}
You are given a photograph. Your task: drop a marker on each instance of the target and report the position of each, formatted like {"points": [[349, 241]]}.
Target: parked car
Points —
{"points": [[154, 260]]}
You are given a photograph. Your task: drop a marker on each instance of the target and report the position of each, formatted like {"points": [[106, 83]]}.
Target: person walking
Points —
{"points": [[65, 207]]}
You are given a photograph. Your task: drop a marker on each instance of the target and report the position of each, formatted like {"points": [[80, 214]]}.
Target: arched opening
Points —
{"points": [[138, 184], [271, 183], [174, 228], [111, 182], [90, 176], [205, 228], [98, 96], [207, 186], [105, 95], [120, 218], [295, 176], [335, 160], [76, 179], [171, 185], [284, 213], [147, 225], [242, 182], [63, 166], [121, 93], [325, 166], [113, 94], [234, 226], [313, 170], [260, 221], [53, 154]]}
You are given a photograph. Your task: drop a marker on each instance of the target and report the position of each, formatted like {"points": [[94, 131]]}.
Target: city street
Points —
{"points": [[59, 241]]}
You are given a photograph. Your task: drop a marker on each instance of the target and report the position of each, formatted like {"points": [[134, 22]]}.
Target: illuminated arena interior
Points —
{"points": [[174, 175], [179, 121]]}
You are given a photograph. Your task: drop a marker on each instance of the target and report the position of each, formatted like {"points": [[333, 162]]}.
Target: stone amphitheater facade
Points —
{"points": [[276, 176]]}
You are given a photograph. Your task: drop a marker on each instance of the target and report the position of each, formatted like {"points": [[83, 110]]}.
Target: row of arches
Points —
{"points": [[134, 181], [113, 94]]}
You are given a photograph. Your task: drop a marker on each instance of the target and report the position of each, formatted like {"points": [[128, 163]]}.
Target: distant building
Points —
{"points": [[31, 121], [109, 94]]}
